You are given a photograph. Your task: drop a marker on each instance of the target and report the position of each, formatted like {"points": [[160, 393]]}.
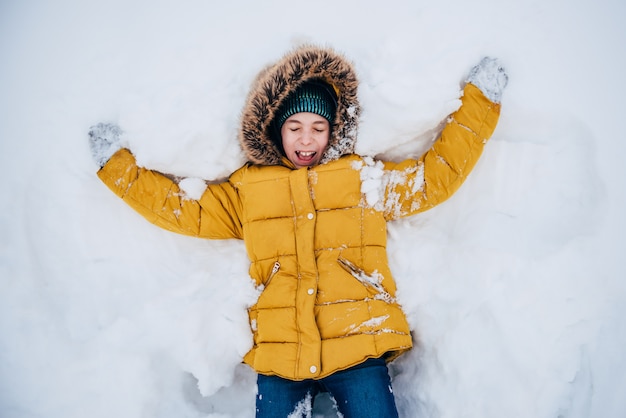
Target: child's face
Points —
{"points": [[305, 137]]}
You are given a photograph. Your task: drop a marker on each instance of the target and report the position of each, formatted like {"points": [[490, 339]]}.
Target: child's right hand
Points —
{"points": [[104, 141]]}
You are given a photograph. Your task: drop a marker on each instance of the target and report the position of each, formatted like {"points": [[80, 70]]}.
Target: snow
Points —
{"points": [[303, 408], [515, 287], [372, 186], [193, 187]]}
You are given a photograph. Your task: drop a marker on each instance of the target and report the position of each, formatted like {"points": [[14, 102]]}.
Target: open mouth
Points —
{"points": [[306, 155]]}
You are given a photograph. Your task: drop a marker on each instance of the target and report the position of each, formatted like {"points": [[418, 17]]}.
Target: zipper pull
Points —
{"points": [[275, 269]]}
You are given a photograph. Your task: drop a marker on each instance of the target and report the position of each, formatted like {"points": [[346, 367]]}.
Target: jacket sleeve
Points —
{"points": [[158, 198], [417, 185]]}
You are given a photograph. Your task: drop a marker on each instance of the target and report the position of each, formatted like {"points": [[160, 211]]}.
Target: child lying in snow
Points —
{"points": [[313, 217]]}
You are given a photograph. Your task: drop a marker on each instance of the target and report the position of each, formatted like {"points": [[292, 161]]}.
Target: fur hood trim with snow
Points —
{"points": [[274, 84]]}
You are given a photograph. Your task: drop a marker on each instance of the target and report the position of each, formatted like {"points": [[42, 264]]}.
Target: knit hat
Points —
{"points": [[314, 96]]}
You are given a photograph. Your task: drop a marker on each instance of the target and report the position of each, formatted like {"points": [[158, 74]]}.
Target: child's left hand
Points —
{"points": [[490, 77]]}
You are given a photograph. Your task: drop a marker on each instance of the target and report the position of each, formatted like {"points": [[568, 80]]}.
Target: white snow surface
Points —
{"points": [[515, 287]]}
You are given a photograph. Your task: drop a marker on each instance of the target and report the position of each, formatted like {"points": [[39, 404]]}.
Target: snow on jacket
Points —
{"points": [[316, 237]]}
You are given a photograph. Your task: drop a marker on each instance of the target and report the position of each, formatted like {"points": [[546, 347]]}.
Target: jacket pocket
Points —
{"points": [[372, 281]]}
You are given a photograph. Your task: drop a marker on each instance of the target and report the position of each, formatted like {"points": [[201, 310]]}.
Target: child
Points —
{"points": [[313, 217]]}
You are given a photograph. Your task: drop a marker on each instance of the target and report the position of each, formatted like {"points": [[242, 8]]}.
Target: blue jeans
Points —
{"points": [[359, 392]]}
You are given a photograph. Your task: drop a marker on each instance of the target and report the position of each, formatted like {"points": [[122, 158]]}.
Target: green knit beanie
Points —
{"points": [[314, 96]]}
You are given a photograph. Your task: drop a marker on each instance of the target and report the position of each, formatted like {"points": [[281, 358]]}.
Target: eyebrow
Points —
{"points": [[317, 122]]}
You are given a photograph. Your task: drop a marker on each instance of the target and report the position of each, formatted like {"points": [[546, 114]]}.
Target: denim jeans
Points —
{"points": [[359, 392]]}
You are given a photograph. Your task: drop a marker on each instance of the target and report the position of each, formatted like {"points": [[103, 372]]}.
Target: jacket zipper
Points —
{"points": [[275, 269]]}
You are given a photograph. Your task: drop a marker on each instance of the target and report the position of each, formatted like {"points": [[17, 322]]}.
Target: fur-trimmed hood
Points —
{"points": [[274, 84]]}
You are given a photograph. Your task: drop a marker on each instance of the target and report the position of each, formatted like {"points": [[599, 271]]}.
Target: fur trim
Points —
{"points": [[274, 84]]}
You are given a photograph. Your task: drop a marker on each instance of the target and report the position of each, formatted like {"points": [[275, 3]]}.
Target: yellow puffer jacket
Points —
{"points": [[316, 239]]}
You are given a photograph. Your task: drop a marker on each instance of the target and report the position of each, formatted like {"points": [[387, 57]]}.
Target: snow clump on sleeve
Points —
{"points": [[372, 181], [192, 187], [379, 186]]}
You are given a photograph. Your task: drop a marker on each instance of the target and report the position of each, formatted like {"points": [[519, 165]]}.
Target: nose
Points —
{"points": [[307, 137]]}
